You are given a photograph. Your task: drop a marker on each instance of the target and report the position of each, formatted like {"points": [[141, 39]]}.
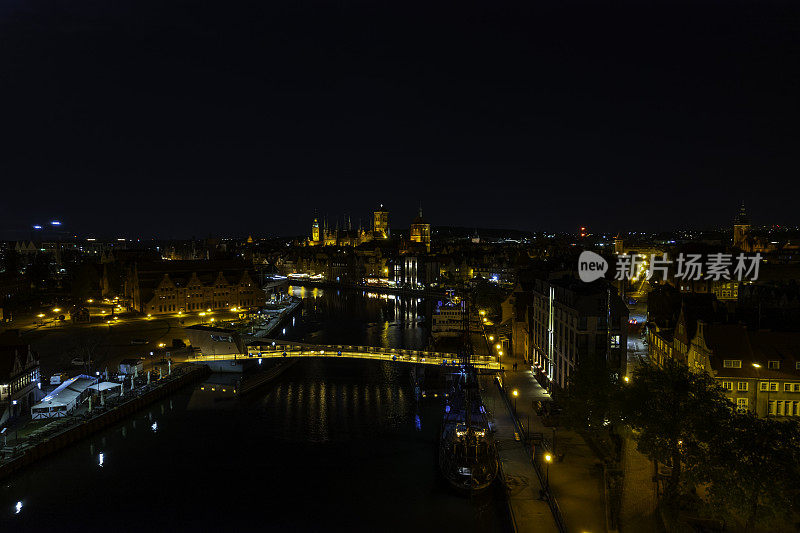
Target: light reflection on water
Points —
{"points": [[332, 444]]}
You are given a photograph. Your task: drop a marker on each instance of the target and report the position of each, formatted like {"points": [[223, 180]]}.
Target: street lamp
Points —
{"points": [[627, 379], [548, 458], [515, 393], [769, 386]]}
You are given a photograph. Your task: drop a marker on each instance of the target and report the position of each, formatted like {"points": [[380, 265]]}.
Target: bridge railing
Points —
{"points": [[267, 349]]}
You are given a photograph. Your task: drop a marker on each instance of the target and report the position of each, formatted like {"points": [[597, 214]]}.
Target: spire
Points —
{"points": [[420, 209], [741, 217]]}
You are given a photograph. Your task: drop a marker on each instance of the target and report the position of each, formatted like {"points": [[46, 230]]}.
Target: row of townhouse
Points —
{"points": [[759, 370]]}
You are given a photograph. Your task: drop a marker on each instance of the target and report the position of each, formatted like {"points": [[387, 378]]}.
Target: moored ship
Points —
{"points": [[467, 452]]}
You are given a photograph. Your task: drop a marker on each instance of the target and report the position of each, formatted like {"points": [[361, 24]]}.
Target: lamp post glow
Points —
{"points": [[548, 458], [515, 393], [769, 386]]}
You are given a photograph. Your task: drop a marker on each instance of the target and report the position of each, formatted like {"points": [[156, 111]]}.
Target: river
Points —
{"points": [[332, 445]]}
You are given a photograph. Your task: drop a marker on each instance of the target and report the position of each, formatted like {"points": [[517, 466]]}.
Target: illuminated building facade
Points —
{"points": [[421, 232], [380, 224], [347, 235], [315, 235], [741, 228], [190, 286], [558, 323], [19, 377]]}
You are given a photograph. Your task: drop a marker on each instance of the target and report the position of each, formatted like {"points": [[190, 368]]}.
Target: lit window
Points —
{"points": [[732, 363], [727, 385], [741, 386], [741, 405]]}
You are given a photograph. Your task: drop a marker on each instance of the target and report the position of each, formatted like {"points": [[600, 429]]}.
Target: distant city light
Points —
{"points": [[55, 223], [37, 226], [18, 508], [101, 458]]}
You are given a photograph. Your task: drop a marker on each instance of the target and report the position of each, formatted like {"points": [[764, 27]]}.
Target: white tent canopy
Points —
{"points": [[64, 399], [104, 387]]}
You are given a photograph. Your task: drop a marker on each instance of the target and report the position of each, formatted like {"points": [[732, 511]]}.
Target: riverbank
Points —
{"points": [[276, 321], [25, 451]]}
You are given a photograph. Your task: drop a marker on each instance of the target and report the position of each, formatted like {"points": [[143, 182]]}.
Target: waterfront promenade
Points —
{"points": [[576, 474], [39, 438], [529, 512]]}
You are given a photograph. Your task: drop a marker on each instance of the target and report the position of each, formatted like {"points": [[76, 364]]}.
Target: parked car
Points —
{"points": [[78, 361], [139, 341]]}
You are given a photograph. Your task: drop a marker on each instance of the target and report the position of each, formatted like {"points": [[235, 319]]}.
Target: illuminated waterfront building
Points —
{"points": [[185, 286]]}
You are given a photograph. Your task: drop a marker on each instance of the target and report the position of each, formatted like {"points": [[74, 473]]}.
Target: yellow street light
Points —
{"points": [[500, 352], [491, 338], [56, 309], [483, 312], [756, 365], [149, 315], [627, 379], [201, 313], [161, 344], [89, 301], [548, 457], [208, 310], [498, 346], [212, 319], [515, 392]]}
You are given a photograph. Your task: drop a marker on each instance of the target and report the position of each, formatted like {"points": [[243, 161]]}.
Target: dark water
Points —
{"points": [[333, 445]]}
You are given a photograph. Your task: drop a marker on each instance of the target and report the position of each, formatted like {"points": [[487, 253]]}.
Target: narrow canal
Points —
{"points": [[332, 445]]}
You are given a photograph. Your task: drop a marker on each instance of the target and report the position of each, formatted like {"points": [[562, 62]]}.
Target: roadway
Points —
{"points": [[109, 338]]}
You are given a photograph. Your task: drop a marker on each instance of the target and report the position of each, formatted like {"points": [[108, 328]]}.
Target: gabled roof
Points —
{"points": [[734, 341]]}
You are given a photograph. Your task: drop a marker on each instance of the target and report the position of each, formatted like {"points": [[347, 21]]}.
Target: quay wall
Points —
{"points": [[86, 428]]}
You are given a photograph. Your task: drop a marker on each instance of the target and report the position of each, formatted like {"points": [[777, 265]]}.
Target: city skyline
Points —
{"points": [[528, 118]]}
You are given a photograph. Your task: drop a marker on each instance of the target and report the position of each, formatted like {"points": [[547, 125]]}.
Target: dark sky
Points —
{"points": [[138, 117]]}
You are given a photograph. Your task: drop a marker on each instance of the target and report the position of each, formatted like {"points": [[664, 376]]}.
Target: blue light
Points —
{"points": [[37, 226], [56, 223]]}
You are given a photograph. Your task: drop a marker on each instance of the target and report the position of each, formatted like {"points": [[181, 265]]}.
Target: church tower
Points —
{"points": [[381, 223], [421, 231], [315, 237], [741, 228]]}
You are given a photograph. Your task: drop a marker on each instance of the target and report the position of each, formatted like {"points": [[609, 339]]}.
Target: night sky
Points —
{"points": [[191, 118]]}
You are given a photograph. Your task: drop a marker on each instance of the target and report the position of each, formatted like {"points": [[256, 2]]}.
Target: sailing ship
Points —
{"points": [[467, 451]]}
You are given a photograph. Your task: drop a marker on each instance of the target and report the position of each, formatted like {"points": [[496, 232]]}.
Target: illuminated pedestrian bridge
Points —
{"points": [[275, 348]]}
